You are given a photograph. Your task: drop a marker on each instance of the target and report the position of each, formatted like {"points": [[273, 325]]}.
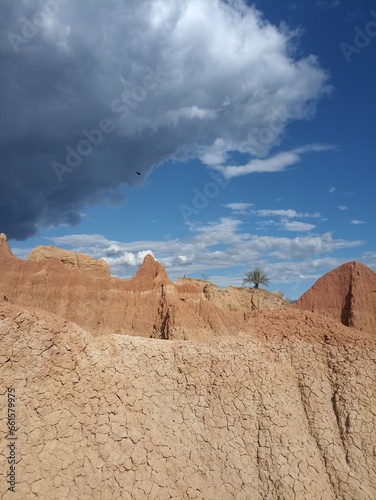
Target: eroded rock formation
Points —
{"points": [[284, 411], [234, 298], [263, 404], [75, 260], [144, 305], [346, 294]]}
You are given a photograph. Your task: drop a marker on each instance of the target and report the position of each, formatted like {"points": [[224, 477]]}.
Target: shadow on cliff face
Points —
{"points": [[346, 315]]}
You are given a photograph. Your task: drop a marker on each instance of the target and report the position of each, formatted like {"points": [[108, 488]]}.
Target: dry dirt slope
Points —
{"points": [[263, 416]]}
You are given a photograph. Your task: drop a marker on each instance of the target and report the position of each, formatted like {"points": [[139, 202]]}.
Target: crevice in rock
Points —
{"points": [[341, 428], [312, 431], [346, 314], [163, 325]]}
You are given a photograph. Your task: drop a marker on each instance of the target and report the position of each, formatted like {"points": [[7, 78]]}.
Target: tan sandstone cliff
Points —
{"points": [[150, 305], [346, 294]]}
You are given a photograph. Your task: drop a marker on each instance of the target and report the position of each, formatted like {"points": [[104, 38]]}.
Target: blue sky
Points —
{"points": [[252, 125]]}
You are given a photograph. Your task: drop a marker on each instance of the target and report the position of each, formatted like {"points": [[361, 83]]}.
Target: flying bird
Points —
{"points": [[138, 173]]}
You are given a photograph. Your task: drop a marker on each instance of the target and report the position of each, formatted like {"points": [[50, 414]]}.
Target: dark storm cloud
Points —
{"points": [[154, 79]]}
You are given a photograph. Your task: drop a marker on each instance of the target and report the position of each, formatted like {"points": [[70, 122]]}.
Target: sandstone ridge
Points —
{"points": [[76, 260], [234, 298], [77, 288]]}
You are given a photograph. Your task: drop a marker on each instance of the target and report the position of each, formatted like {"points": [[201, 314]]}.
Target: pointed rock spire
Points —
{"points": [[5, 251]]}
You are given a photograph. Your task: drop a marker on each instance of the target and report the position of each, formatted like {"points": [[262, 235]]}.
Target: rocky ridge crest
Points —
{"points": [[68, 257]]}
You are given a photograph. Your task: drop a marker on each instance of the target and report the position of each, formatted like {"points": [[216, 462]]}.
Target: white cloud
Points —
{"points": [[297, 225], [215, 233], [215, 154], [282, 213], [307, 270], [332, 190], [369, 259], [22, 253], [128, 258], [239, 207], [342, 207], [285, 222], [285, 213], [188, 113], [84, 241], [356, 221], [276, 163]]}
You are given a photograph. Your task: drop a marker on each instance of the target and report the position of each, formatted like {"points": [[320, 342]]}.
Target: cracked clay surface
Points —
{"points": [[250, 417]]}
